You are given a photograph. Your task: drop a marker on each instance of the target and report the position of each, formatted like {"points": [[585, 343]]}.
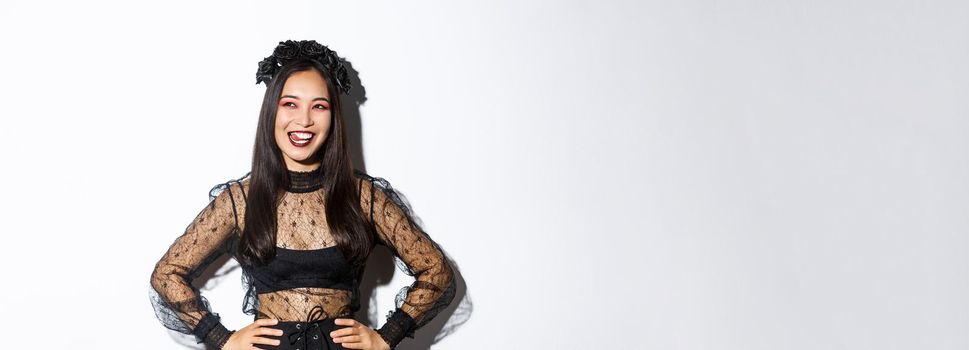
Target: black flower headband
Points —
{"points": [[288, 51]]}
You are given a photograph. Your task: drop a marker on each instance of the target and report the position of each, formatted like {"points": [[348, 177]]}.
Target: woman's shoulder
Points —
{"points": [[368, 181], [236, 185], [361, 175], [363, 180], [370, 177]]}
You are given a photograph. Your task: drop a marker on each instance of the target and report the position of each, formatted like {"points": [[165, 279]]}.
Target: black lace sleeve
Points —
{"points": [[417, 255], [177, 303]]}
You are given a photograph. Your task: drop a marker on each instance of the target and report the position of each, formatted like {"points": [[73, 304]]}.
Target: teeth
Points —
{"points": [[302, 135], [300, 138]]}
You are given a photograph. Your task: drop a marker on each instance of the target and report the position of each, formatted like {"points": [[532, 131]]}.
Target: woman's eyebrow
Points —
{"points": [[297, 97]]}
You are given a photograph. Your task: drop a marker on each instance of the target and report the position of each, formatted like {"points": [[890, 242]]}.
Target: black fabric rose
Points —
{"points": [[286, 50], [341, 77], [311, 48], [289, 50], [267, 68]]}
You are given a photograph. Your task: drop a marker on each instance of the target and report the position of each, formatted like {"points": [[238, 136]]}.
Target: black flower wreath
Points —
{"points": [[289, 50]]}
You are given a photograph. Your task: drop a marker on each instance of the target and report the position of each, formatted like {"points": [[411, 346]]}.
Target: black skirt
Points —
{"points": [[304, 336]]}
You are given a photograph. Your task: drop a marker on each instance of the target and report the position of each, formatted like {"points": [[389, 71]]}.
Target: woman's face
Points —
{"points": [[302, 119]]}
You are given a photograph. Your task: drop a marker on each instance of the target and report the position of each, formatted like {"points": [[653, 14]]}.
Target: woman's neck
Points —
{"points": [[301, 181]]}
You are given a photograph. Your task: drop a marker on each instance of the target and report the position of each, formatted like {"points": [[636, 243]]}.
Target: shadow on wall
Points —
{"points": [[380, 265]]}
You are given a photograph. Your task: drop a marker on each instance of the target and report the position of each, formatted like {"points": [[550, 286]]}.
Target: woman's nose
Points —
{"points": [[304, 118]]}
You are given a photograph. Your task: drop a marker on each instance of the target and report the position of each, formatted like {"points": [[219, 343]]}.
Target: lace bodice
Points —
{"points": [[301, 232]]}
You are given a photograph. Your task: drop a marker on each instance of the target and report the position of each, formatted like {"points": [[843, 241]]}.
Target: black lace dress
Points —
{"points": [[309, 280]]}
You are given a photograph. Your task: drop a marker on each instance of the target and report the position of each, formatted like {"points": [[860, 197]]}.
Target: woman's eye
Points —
{"points": [[288, 103], [321, 106]]}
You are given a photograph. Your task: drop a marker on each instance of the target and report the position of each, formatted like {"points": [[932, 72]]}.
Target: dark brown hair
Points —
{"points": [[345, 218]]}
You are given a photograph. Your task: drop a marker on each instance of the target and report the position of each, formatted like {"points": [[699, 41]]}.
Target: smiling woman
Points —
{"points": [[303, 119], [301, 224]]}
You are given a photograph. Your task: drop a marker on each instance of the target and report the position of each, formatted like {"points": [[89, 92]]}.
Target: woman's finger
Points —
{"points": [[345, 321], [348, 339], [343, 331], [266, 321], [269, 331], [264, 341]]}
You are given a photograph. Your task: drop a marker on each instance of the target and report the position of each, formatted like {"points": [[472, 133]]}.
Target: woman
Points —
{"points": [[301, 224]]}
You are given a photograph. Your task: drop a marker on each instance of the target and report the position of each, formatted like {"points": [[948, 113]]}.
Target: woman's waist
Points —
{"points": [[294, 321], [296, 308]]}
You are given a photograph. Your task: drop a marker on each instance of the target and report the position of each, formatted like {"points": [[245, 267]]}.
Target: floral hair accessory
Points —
{"points": [[289, 50]]}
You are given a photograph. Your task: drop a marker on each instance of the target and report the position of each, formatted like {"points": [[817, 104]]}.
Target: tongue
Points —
{"points": [[297, 138]]}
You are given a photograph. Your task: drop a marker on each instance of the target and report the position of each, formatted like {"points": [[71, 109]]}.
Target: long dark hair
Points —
{"points": [[345, 218]]}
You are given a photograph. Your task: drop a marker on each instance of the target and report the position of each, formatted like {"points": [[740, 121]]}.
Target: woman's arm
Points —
{"points": [[433, 287], [178, 305]]}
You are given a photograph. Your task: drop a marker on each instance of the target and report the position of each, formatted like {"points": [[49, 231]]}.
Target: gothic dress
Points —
{"points": [[309, 282]]}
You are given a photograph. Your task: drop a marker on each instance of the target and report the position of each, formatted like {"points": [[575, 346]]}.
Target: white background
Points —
{"points": [[648, 175]]}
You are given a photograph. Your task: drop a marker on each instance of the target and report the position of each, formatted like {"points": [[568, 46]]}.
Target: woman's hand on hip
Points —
{"points": [[248, 336], [357, 336]]}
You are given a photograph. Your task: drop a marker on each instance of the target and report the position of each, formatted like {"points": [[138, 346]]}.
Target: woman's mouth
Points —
{"points": [[300, 138]]}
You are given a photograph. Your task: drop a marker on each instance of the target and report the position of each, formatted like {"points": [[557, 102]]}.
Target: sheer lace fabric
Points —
{"points": [[416, 254], [301, 228], [177, 303]]}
